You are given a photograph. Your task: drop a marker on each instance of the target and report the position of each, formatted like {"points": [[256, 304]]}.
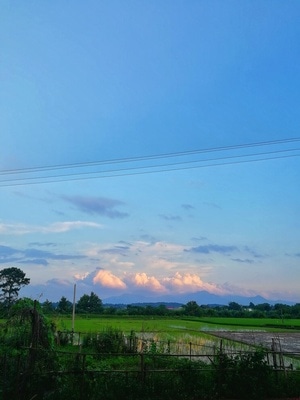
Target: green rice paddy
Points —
{"points": [[175, 325]]}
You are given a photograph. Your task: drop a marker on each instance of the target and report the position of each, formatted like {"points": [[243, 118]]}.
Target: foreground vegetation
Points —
{"points": [[40, 361], [115, 352]]}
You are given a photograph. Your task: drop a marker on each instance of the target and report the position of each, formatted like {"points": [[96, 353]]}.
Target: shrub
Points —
{"points": [[110, 340], [246, 376]]}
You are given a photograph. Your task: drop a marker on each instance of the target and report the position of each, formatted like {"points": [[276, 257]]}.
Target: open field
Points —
{"points": [[238, 333], [156, 324], [249, 331], [265, 323]]}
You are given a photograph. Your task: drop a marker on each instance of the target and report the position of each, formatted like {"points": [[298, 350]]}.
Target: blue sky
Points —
{"points": [[127, 82]]}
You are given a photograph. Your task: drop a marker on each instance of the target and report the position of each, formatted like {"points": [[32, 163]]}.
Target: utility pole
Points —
{"points": [[73, 314]]}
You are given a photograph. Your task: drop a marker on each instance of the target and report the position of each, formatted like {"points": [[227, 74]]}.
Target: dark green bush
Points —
{"points": [[110, 340], [244, 376]]}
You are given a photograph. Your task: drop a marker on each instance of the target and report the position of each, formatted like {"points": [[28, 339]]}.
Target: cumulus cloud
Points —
{"points": [[183, 283], [135, 282], [142, 282], [109, 280], [97, 205], [126, 266], [149, 282], [81, 276]]}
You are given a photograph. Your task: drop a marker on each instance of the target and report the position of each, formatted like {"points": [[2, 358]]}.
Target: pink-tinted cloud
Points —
{"points": [[188, 283], [149, 282], [109, 280]]}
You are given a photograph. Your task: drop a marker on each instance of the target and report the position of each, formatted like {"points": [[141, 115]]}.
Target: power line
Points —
{"points": [[144, 167], [133, 170], [149, 157]]}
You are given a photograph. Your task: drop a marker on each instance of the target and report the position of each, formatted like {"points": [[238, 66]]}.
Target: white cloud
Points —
{"points": [[116, 263], [56, 227], [109, 280], [140, 267], [81, 276], [172, 284], [14, 229], [187, 282], [149, 282], [162, 258], [108, 284]]}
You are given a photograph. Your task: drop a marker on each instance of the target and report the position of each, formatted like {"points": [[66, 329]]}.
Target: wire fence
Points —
{"points": [[147, 368], [203, 349]]}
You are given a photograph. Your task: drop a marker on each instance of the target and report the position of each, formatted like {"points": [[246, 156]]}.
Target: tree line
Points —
{"points": [[91, 304], [13, 279]]}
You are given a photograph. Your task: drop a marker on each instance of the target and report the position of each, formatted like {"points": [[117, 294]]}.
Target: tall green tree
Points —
{"points": [[64, 306], [90, 304], [11, 281], [192, 308], [234, 306], [47, 307]]}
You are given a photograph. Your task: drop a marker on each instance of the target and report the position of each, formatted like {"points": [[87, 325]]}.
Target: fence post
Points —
{"points": [[274, 353], [190, 351]]}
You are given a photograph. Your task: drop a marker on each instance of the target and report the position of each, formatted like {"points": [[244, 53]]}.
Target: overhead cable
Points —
{"points": [[82, 171]]}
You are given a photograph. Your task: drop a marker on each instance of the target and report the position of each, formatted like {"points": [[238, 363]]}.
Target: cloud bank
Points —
{"points": [[177, 283]]}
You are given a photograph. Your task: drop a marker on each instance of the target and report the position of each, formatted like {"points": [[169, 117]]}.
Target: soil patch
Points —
{"points": [[289, 342]]}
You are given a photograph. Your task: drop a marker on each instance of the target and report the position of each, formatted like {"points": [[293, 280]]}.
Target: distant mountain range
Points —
{"points": [[55, 291], [201, 297]]}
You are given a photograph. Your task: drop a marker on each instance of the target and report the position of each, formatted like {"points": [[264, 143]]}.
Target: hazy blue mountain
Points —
{"points": [[201, 297]]}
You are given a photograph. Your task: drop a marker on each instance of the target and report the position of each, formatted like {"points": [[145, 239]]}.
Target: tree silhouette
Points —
{"points": [[192, 308], [64, 305], [90, 304], [11, 281]]}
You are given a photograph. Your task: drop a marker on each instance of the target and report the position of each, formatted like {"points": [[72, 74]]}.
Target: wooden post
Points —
{"points": [[73, 313]]}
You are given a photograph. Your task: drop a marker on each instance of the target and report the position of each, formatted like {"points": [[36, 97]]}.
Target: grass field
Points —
{"points": [[173, 325], [182, 332], [265, 323], [162, 324]]}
